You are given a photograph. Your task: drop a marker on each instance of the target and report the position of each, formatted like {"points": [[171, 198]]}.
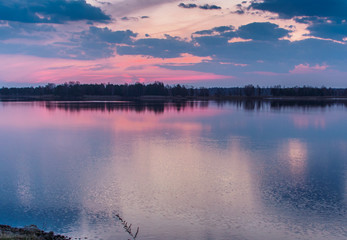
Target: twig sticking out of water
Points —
{"points": [[128, 227]]}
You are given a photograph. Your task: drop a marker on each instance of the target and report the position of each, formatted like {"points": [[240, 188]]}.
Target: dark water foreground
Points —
{"points": [[178, 170]]}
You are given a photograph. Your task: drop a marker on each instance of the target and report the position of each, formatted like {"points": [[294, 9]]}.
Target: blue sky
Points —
{"points": [[195, 42]]}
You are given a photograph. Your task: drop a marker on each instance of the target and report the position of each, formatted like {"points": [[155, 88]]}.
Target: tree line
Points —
{"points": [[76, 89]]}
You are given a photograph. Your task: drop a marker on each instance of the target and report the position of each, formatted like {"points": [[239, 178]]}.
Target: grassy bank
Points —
{"points": [[27, 233]]}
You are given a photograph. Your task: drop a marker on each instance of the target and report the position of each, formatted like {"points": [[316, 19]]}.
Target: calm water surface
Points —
{"points": [[196, 170]]}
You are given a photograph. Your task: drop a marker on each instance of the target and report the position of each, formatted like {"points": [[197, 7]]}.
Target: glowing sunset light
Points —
{"points": [[202, 42]]}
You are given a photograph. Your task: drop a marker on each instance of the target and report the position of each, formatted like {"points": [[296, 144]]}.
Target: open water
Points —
{"points": [[191, 170]]}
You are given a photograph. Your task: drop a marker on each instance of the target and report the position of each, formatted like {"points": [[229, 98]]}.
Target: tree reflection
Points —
{"points": [[159, 107]]}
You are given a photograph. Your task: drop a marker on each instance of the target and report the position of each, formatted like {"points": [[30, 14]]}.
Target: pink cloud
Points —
{"points": [[306, 68], [237, 39], [119, 69]]}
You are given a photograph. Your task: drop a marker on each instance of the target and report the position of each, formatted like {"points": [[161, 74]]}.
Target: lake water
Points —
{"points": [[195, 170]]}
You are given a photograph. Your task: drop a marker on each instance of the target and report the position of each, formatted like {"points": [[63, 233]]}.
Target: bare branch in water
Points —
{"points": [[128, 228]]}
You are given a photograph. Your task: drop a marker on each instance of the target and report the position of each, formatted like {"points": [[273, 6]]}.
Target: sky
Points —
{"points": [[223, 43]]}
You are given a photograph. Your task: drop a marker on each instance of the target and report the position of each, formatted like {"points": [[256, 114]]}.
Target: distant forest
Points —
{"points": [[75, 89]]}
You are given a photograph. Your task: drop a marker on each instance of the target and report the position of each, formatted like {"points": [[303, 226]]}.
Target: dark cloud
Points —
{"points": [[272, 56], [211, 41], [205, 7], [261, 54], [217, 30], [169, 47], [209, 7], [104, 3], [325, 28], [313, 12], [292, 8], [330, 30], [48, 51], [30, 28], [24, 30], [93, 43], [230, 34], [244, 52], [222, 29], [129, 19], [96, 34], [204, 32], [189, 5], [215, 42], [133, 18], [262, 31], [50, 11], [309, 20], [240, 11]]}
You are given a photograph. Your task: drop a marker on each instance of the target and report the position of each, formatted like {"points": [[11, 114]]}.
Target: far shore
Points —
{"points": [[164, 98]]}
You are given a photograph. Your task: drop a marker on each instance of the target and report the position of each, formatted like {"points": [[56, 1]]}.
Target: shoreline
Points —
{"points": [[168, 98], [31, 232]]}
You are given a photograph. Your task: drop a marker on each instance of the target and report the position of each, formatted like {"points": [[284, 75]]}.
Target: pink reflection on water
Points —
{"points": [[150, 123], [297, 154], [127, 120], [172, 120], [170, 184], [37, 116], [305, 121]]}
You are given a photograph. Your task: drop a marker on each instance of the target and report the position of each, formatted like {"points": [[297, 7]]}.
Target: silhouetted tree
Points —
{"points": [[249, 90], [179, 90], [203, 92], [156, 88]]}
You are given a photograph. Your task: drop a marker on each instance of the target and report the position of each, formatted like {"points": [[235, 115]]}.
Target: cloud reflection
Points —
{"points": [[297, 154], [304, 122]]}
